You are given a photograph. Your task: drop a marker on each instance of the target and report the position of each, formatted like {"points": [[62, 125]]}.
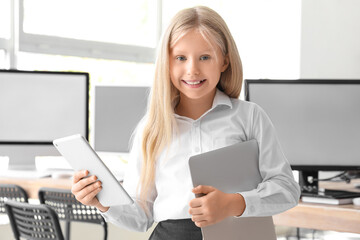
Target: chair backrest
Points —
{"points": [[11, 192], [67, 207], [33, 222]]}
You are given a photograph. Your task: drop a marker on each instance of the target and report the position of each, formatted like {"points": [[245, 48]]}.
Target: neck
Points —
{"points": [[194, 108]]}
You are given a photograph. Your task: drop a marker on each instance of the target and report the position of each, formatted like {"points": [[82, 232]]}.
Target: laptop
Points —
{"points": [[232, 169]]}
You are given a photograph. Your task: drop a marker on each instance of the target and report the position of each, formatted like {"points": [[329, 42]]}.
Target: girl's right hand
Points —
{"points": [[85, 189]]}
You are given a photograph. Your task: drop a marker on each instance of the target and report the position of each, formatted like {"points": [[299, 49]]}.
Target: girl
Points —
{"points": [[194, 108]]}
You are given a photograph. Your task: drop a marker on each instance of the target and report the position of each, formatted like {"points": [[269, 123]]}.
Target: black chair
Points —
{"points": [[11, 192], [33, 222], [69, 209]]}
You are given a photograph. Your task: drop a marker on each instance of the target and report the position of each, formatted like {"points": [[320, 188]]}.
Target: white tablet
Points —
{"points": [[81, 156]]}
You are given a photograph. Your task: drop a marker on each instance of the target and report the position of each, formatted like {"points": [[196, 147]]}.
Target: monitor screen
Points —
{"points": [[38, 107], [118, 110], [317, 121]]}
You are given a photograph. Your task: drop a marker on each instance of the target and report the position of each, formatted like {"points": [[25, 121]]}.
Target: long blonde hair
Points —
{"points": [[160, 122]]}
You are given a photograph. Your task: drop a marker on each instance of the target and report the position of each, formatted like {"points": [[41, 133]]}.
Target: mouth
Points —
{"points": [[194, 83]]}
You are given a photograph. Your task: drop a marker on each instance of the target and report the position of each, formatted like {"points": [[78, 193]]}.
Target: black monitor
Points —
{"points": [[118, 110], [317, 122], [37, 107]]}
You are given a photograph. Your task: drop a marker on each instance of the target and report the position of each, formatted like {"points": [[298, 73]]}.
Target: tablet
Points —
{"points": [[80, 155]]}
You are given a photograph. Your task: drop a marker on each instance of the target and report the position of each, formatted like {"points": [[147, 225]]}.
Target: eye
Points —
{"points": [[181, 58], [206, 57]]}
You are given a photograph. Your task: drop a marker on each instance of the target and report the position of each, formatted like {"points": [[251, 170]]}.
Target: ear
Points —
{"points": [[226, 63]]}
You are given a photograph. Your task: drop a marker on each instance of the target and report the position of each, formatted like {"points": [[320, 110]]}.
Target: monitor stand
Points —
{"points": [[22, 156], [309, 185], [22, 162]]}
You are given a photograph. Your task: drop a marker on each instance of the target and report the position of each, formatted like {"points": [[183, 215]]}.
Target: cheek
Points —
{"points": [[174, 74], [174, 80], [215, 73]]}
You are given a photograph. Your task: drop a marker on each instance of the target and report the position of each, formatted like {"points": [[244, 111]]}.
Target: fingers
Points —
{"points": [[202, 224], [208, 209], [196, 211], [195, 203], [198, 218], [85, 188], [84, 193], [82, 183], [90, 196], [79, 175], [203, 189]]}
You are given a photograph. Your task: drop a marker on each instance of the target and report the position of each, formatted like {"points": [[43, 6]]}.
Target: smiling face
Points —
{"points": [[196, 66]]}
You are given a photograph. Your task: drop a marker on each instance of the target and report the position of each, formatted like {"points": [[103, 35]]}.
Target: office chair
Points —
{"points": [[33, 222], [69, 209], [11, 192]]}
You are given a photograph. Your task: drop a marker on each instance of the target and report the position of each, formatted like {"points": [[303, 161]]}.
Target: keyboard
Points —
{"points": [[334, 194]]}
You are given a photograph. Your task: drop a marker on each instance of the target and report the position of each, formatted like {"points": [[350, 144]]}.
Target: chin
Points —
{"points": [[196, 96]]}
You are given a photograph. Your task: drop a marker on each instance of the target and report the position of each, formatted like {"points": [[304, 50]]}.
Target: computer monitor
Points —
{"points": [[118, 110], [317, 122], [37, 107]]}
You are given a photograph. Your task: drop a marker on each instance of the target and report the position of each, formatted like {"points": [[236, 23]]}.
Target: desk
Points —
{"points": [[343, 218], [32, 186]]}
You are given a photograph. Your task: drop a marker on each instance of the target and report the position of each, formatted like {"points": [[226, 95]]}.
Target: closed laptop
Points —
{"points": [[232, 169]]}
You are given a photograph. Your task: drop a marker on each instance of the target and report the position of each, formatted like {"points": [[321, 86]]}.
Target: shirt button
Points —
{"points": [[197, 149], [196, 124]]}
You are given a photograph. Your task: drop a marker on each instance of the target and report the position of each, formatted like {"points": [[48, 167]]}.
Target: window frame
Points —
{"points": [[37, 43], [10, 45]]}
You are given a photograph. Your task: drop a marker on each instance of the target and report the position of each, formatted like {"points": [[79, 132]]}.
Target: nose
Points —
{"points": [[192, 67]]}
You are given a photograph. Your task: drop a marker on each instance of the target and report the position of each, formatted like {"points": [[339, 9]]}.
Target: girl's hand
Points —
{"points": [[214, 206], [85, 189]]}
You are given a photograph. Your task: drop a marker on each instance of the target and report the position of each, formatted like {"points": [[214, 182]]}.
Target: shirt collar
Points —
{"points": [[221, 99]]}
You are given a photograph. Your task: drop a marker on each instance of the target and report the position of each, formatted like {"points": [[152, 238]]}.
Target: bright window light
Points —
{"points": [[267, 33], [101, 71], [5, 19], [130, 23]]}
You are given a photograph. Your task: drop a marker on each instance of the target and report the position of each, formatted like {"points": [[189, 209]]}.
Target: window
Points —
{"points": [[106, 29], [113, 42], [133, 23], [101, 70], [267, 33], [124, 36], [5, 19], [5, 26], [170, 8]]}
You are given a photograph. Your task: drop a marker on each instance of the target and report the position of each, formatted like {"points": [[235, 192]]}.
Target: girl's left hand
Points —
{"points": [[214, 206]]}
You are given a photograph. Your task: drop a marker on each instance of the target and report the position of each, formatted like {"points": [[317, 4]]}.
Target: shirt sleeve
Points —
{"points": [[278, 191], [133, 217]]}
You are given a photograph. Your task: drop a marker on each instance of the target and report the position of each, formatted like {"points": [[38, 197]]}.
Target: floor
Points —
{"points": [[95, 232]]}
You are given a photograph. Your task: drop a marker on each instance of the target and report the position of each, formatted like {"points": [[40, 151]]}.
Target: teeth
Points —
{"points": [[194, 83]]}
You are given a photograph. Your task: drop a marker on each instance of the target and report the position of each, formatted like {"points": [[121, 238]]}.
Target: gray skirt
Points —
{"points": [[182, 229]]}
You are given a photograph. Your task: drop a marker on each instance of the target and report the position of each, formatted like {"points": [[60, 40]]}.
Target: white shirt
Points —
{"points": [[229, 121]]}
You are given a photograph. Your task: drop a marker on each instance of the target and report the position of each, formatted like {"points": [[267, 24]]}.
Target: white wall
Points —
{"points": [[330, 39]]}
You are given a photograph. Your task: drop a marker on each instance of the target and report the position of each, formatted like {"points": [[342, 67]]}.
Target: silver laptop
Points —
{"points": [[232, 169]]}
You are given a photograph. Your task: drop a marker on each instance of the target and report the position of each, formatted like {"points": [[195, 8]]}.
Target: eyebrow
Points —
{"points": [[180, 52]]}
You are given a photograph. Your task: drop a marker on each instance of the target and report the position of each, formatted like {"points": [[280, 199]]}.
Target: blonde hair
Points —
{"points": [[160, 122]]}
